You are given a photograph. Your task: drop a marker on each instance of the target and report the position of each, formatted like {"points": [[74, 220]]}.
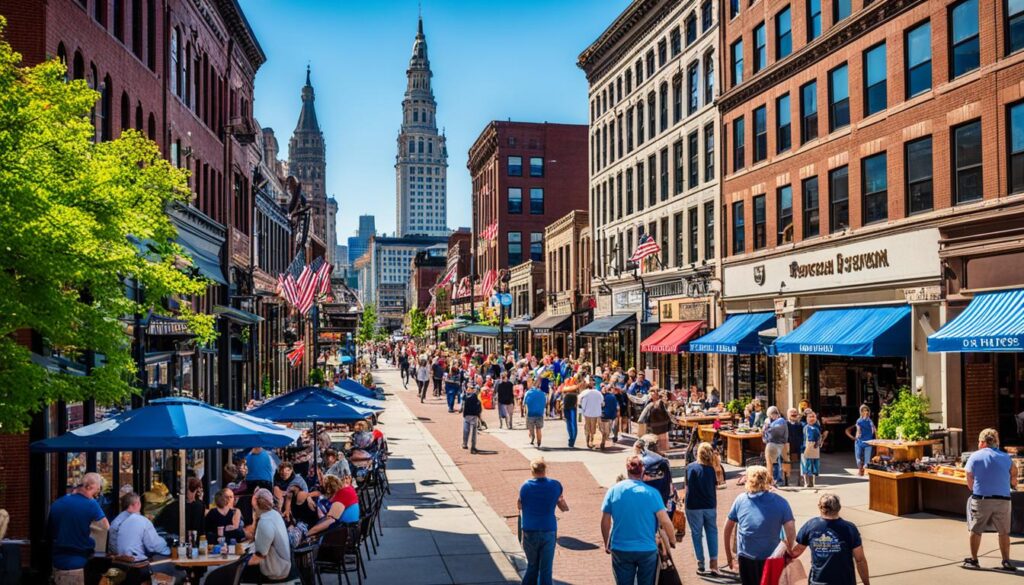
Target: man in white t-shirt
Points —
{"points": [[271, 551], [591, 402]]}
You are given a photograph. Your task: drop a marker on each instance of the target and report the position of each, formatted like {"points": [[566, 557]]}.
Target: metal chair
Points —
{"points": [[339, 550], [229, 574]]}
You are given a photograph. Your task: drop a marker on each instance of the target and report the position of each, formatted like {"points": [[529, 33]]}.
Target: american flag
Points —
{"points": [[449, 277], [309, 285], [324, 274], [462, 290], [296, 354], [288, 281], [646, 247], [490, 233], [487, 285]]}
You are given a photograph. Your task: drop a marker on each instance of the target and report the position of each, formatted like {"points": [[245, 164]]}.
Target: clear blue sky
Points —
{"points": [[491, 60]]}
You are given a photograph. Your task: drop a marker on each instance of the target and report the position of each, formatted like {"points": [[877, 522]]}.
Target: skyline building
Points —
{"points": [[307, 162]]}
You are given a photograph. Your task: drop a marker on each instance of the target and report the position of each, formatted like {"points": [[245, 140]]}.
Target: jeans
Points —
{"points": [[422, 385], [703, 524], [450, 392], [539, 548], [571, 425], [469, 426], [639, 567], [437, 386], [862, 451]]}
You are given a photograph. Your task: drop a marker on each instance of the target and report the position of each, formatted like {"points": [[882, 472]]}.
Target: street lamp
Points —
{"points": [[503, 281]]}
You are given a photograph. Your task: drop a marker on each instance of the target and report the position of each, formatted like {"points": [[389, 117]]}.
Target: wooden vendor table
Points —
{"points": [[903, 450], [695, 420], [734, 445], [902, 493]]}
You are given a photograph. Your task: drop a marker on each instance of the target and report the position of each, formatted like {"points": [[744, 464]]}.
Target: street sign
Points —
{"points": [[505, 299]]}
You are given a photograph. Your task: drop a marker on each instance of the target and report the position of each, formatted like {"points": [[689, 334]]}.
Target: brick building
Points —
{"points": [[567, 273], [460, 249], [525, 175], [428, 266], [863, 149]]}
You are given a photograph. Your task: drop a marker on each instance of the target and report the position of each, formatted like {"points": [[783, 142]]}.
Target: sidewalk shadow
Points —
{"points": [[570, 543]]}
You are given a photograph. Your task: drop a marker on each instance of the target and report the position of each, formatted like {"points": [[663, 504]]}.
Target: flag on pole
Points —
{"points": [[309, 285], [324, 276], [647, 247], [449, 277], [487, 285], [288, 281], [296, 354]]}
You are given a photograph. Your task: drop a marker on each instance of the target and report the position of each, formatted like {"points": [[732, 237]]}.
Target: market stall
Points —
{"points": [[738, 442]]}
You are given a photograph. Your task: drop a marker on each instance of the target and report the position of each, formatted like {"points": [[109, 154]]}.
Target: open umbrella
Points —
{"points": [[357, 388], [359, 399], [172, 423]]}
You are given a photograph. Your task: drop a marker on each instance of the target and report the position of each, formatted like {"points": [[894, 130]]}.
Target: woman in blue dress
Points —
{"points": [[861, 432]]}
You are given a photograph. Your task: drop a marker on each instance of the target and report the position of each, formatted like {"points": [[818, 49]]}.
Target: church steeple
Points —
{"points": [[307, 116], [307, 161]]}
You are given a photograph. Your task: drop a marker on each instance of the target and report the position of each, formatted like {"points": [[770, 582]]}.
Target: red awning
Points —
{"points": [[672, 337]]}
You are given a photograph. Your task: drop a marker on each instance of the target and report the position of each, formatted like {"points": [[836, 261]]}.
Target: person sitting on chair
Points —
{"points": [[271, 558]]}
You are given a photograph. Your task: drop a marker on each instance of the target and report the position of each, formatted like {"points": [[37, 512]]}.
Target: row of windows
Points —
{"points": [[515, 201], [917, 162], [620, 196], [619, 89], [684, 247], [616, 138], [515, 247], [142, 19], [515, 166], [200, 86]]}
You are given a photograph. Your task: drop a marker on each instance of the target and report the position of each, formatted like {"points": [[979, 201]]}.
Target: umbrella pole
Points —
{"points": [[183, 485]]}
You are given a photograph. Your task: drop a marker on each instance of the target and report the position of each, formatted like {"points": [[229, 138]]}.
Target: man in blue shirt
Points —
{"points": [[261, 469], [535, 401], [609, 412], [991, 476], [632, 513], [70, 527], [835, 546], [641, 387], [538, 498]]}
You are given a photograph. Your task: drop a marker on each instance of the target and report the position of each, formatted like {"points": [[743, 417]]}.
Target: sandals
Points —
{"points": [[1007, 566], [970, 563]]}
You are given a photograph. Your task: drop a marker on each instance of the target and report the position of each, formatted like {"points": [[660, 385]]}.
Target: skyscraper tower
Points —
{"points": [[307, 162], [421, 166]]}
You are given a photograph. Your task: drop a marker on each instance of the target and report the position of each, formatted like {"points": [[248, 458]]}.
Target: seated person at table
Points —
{"points": [[344, 504], [272, 557], [286, 484], [234, 476], [224, 515], [195, 510], [714, 401], [133, 535], [336, 465]]}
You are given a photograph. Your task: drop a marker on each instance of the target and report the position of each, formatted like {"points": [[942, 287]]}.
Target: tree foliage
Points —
{"points": [[67, 208], [367, 331], [417, 323]]}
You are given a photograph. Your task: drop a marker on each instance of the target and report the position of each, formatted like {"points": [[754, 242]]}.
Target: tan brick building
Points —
{"points": [[566, 285]]}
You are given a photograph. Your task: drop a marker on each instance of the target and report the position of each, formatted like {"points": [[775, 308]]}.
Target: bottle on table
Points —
{"points": [[204, 547]]}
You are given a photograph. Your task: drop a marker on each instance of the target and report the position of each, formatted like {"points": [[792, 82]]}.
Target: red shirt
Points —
{"points": [[377, 435]]}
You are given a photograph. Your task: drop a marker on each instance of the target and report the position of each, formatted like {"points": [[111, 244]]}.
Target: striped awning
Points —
{"points": [[859, 332], [993, 321]]}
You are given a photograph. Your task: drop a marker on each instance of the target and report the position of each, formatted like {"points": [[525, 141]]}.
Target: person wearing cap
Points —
{"points": [[632, 513], [271, 556]]}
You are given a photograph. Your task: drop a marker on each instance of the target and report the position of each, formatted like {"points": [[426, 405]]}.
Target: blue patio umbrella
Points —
{"points": [[357, 388], [346, 359], [359, 399]]}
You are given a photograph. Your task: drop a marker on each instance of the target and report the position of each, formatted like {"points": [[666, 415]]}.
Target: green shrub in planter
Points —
{"points": [[905, 418]]}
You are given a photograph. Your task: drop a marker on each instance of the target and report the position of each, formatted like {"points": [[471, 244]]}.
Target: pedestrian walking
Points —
{"points": [[535, 402], [835, 546], [756, 520], [791, 457], [776, 442], [609, 412], [656, 418], [472, 409], [570, 400], [422, 378], [437, 371], [701, 507], [506, 400], [810, 465], [991, 476], [591, 403], [452, 386], [632, 513], [70, 528], [403, 367], [538, 498], [860, 433]]}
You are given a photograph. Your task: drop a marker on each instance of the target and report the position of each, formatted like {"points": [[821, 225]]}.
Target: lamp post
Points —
{"points": [[503, 281]]}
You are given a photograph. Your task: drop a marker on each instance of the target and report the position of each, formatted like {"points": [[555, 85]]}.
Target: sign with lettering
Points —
{"points": [[911, 256], [671, 310]]}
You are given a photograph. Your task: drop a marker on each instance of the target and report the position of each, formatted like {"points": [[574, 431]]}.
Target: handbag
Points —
{"points": [[668, 574], [679, 520]]}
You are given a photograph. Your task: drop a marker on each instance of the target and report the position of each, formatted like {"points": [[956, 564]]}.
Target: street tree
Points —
{"points": [[417, 323], [367, 331], [68, 206]]}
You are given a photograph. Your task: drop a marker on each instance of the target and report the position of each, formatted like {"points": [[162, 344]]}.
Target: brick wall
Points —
{"points": [[14, 483], [980, 407]]}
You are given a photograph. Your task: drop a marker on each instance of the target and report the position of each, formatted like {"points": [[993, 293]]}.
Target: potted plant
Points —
{"points": [[905, 418], [735, 406], [316, 377]]}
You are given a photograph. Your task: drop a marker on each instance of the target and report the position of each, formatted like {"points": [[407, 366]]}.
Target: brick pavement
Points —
{"points": [[500, 470]]}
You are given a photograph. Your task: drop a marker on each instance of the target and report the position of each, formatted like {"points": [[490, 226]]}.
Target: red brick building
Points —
{"points": [[863, 134], [525, 176], [428, 266]]}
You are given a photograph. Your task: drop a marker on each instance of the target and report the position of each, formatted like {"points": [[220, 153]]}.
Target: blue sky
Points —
{"points": [[491, 60]]}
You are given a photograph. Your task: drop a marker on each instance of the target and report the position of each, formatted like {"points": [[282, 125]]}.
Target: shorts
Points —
{"points": [[605, 425], [70, 577], [534, 422], [988, 513]]}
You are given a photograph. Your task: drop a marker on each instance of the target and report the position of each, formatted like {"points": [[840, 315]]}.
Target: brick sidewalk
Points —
{"points": [[500, 470]]}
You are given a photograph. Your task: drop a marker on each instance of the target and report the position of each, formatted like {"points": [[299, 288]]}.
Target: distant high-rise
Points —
{"points": [[358, 244], [307, 162], [421, 166]]}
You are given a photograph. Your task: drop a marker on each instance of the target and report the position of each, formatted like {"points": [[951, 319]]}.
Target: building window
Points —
{"points": [[967, 162], [813, 19], [650, 63], [536, 166], [100, 12], [676, 41], [640, 186], [515, 248], [515, 200], [663, 229], [709, 229], [662, 53], [611, 139], [677, 99], [783, 34], [639, 123], [694, 164], [677, 159], [919, 59], [629, 81], [652, 180], [874, 189], [137, 28], [875, 93], [918, 162], [963, 18], [709, 152], [838, 98], [760, 223], [629, 191], [739, 241], [663, 91], [652, 113], [838, 199], [760, 48], [705, 16], [1016, 119], [783, 126], [639, 68], [620, 140], [677, 224], [784, 219], [664, 173], [1014, 25], [840, 10], [693, 221], [734, 8], [709, 79], [738, 145], [119, 19], [107, 110], [629, 130], [760, 134], [691, 29], [618, 200], [537, 246], [736, 54], [809, 189], [809, 112], [515, 166]]}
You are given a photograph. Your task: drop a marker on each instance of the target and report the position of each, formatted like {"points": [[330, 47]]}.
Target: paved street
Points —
{"points": [[918, 549]]}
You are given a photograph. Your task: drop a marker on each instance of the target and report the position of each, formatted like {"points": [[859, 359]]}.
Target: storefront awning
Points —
{"points": [[523, 323], [483, 330], [206, 261], [545, 324], [446, 326], [672, 337], [606, 325], [738, 335], [865, 332], [244, 317], [993, 321]]}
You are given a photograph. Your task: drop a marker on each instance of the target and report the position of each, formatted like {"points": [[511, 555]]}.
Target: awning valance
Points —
{"points": [[206, 261], [244, 317], [863, 332], [993, 321], [483, 330], [672, 337], [738, 335], [545, 323], [606, 325]]}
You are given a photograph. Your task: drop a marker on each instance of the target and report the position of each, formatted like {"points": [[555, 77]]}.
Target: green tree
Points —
{"points": [[67, 208], [367, 331], [417, 322]]}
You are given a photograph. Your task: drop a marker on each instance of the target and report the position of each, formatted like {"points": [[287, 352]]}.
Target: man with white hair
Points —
{"points": [[991, 477], [271, 550], [70, 527], [776, 442]]}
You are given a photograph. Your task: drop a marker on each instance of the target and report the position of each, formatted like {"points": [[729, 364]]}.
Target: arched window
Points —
{"points": [[106, 107], [62, 56], [420, 149], [430, 147], [151, 34], [138, 116], [175, 72], [415, 115], [137, 28], [78, 68], [151, 126], [126, 112]]}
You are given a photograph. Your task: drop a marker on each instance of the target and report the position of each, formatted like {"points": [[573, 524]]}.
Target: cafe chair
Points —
{"points": [[303, 568], [340, 554], [229, 574]]}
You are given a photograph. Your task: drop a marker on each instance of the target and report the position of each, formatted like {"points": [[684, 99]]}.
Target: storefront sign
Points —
{"points": [[923, 294], [670, 310], [901, 257]]}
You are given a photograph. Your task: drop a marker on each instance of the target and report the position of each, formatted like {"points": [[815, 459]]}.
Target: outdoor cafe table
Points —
{"points": [[196, 566], [695, 420], [735, 442]]}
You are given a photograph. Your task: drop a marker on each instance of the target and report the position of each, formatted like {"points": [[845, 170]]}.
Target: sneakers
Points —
{"points": [[970, 563]]}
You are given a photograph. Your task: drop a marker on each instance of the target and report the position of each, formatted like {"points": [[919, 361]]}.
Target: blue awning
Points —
{"points": [[993, 321], [867, 332], [738, 335]]}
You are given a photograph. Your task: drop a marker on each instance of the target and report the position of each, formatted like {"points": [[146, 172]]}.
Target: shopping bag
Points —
{"points": [[668, 574]]}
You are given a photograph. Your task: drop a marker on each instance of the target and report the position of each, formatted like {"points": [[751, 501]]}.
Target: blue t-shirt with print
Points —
{"points": [[831, 543], [759, 518], [535, 401], [633, 506], [867, 430], [70, 520], [539, 497]]}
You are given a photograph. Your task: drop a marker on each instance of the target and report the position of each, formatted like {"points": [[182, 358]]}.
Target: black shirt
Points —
{"points": [[831, 543], [471, 405], [796, 436], [495, 371], [570, 400], [438, 370], [505, 392]]}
